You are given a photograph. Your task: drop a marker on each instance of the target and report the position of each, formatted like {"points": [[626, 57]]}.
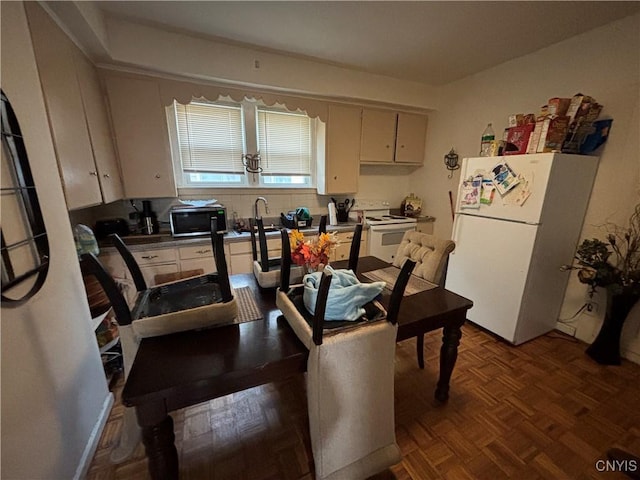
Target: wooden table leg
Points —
{"points": [[448, 355], [420, 350], [158, 439]]}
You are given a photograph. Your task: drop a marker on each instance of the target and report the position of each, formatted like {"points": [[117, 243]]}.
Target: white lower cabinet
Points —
{"points": [[197, 257], [154, 260], [240, 257], [343, 249], [157, 261]]}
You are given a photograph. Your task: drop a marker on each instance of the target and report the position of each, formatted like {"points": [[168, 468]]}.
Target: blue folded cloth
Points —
{"points": [[347, 295]]}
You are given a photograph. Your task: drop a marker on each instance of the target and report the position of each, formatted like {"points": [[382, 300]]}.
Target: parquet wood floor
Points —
{"points": [[543, 410]]}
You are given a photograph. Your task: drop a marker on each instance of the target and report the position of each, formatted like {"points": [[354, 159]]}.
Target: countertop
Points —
{"points": [[165, 240]]}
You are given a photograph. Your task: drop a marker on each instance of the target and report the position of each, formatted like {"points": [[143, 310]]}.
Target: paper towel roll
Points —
{"points": [[333, 217]]}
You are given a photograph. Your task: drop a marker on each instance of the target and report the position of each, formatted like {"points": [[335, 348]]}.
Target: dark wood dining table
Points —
{"points": [[183, 369]]}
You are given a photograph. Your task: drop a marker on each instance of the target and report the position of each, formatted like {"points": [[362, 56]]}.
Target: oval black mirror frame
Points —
{"points": [[13, 143]]}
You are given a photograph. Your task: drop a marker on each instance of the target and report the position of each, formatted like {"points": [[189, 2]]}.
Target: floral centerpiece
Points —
{"points": [[314, 252], [614, 264]]}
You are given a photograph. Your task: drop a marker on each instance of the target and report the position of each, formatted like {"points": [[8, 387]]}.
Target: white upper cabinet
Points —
{"points": [[54, 57], [410, 138], [391, 138], [378, 141], [142, 138], [338, 165], [99, 130]]}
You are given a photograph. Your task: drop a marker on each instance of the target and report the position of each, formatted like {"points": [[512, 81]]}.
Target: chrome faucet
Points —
{"points": [[255, 207]]}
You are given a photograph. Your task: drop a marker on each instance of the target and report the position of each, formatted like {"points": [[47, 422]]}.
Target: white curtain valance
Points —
{"points": [[184, 92]]}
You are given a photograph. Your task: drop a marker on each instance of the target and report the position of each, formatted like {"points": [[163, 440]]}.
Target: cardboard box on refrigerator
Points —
{"points": [[558, 106], [519, 136], [534, 138], [577, 102], [553, 134], [581, 126]]}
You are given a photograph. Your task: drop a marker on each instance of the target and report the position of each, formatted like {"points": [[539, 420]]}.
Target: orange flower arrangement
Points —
{"points": [[313, 252]]}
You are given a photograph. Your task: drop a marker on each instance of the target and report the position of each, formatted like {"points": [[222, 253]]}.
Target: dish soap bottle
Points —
{"points": [[488, 136]]}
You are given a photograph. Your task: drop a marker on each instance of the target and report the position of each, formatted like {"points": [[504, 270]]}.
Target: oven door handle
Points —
{"points": [[393, 227]]}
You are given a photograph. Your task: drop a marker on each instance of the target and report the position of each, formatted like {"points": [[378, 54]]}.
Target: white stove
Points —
{"points": [[376, 212], [386, 219], [385, 230]]}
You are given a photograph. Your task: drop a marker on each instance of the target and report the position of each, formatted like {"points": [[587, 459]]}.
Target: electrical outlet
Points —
{"points": [[256, 64], [592, 308]]}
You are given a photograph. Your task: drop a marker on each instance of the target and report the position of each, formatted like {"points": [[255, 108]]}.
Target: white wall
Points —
{"points": [[603, 63], [54, 392]]}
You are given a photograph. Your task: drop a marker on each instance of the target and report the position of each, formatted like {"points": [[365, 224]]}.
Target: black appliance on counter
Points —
{"points": [[193, 221], [148, 220], [107, 226]]}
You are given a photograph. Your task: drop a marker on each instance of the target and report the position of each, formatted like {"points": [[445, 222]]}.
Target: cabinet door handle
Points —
{"points": [[401, 146], [157, 175], [106, 175], [388, 146], [93, 174], [350, 237], [202, 252], [149, 257]]}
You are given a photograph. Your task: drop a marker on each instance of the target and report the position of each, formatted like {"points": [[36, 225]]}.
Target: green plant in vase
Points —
{"points": [[613, 264]]}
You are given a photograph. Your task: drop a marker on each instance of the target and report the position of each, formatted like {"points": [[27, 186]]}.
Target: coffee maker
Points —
{"points": [[148, 220]]}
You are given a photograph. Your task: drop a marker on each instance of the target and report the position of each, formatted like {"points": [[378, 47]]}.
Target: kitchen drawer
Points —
{"points": [[206, 264], [149, 272], [343, 250], [238, 248], [150, 257], [195, 251]]}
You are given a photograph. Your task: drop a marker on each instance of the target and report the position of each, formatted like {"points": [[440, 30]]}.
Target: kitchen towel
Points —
{"points": [[347, 295]]}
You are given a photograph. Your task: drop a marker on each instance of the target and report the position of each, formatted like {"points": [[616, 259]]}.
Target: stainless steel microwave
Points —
{"points": [[192, 221]]}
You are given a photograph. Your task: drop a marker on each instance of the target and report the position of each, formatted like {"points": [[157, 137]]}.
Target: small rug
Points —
{"points": [[247, 308], [390, 274]]}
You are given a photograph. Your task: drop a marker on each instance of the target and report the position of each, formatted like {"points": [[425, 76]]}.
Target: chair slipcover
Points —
{"points": [[350, 396], [271, 278]]}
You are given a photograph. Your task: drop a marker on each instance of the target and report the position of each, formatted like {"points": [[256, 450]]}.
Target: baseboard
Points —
{"points": [[632, 356], [564, 328], [94, 438]]}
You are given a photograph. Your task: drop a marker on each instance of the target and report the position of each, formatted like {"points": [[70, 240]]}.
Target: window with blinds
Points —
{"points": [[284, 142], [209, 140]]}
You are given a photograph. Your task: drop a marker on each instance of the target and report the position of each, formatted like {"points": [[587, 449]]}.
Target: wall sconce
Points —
{"points": [[251, 162], [451, 161]]}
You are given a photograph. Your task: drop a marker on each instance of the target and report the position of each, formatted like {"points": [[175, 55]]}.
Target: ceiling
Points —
{"points": [[429, 42]]}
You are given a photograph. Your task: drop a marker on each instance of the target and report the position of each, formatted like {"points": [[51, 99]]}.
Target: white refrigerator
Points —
{"points": [[508, 253]]}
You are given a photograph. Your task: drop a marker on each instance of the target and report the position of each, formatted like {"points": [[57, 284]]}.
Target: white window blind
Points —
{"points": [[284, 142], [210, 137]]}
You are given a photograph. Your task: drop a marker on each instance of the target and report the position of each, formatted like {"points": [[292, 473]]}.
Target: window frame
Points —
{"points": [[249, 108]]}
